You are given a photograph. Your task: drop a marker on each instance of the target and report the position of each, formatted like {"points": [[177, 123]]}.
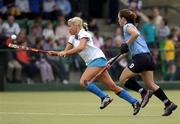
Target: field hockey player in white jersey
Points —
{"points": [[81, 42]]}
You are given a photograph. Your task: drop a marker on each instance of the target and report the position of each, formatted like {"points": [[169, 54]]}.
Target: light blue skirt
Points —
{"points": [[99, 62]]}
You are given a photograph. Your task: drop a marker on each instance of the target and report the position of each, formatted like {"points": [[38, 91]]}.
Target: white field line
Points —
{"points": [[54, 114], [74, 115], [60, 103]]}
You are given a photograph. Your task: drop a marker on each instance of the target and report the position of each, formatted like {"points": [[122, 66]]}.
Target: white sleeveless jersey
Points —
{"points": [[90, 52]]}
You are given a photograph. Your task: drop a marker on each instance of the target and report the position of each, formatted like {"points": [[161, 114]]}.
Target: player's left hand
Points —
{"points": [[62, 54], [124, 48], [52, 53]]}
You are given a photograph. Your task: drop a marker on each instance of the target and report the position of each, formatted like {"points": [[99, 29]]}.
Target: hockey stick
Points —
{"points": [[110, 63], [15, 46]]}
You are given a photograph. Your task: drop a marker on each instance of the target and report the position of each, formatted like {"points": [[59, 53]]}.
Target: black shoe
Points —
{"points": [[105, 102], [169, 109], [136, 107], [145, 99]]}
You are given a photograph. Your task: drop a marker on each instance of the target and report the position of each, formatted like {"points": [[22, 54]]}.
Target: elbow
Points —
{"points": [[136, 35]]}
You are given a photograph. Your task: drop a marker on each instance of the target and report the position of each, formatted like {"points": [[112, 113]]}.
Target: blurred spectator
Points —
{"points": [[48, 6], [13, 67], [113, 11], [98, 40], [1, 4], [107, 48], [170, 58], [3, 8], [163, 30], [176, 33], [23, 6], [176, 38], [25, 59], [111, 51], [35, 8], [13, 10], [45, 68], [61, 31], [48, 31], [117, 37], [157, 17], [149, 33], [10, 27], [35, 31], [1, 22], [135, 5], [3, 62], [92, 25], [64, 6], [56, 63], [50, 10]]}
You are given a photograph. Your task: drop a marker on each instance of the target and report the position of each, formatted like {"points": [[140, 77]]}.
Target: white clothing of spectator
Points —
{"points": [[49, 5], [10, 27], [61, 31], [163, 30], [23, 5], [157, 17], [98, 40], [64, 6], [48, 31]]}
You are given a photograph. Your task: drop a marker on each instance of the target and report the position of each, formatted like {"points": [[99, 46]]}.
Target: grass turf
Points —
{"points": [[79, 108]]}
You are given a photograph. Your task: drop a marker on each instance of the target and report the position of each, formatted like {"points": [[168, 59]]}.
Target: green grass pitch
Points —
{"points": [[79, 108]]}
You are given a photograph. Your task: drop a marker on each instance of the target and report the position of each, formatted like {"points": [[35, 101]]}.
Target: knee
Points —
{"points": [[10, 66], [122, 80], [152, 86], [19, 67], [114, 88], [82, 82]]}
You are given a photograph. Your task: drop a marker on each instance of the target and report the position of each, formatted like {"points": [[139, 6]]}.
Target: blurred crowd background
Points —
{"points": [[42, 24]]}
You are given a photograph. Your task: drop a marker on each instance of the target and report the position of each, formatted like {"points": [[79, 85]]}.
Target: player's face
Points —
{"points": [[120, 20], [73, 29]]}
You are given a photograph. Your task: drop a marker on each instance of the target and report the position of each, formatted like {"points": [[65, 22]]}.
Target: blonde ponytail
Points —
{"points": [[85, 26]]}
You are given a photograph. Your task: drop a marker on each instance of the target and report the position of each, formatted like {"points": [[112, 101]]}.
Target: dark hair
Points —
{"points": [[165, 21], [170, 36], [150, 17], [129, 15]]}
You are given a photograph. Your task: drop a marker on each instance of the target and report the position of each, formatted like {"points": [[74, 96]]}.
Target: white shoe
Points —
{"points": [[105, 102]]}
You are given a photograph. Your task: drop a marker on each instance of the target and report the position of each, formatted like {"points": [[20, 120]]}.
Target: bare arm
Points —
{"points": [[70, 50], [80, 47], [133, 34], [68, 46]]}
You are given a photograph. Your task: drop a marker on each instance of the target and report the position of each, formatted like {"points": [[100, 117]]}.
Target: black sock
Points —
{"points": [[133, 85], [159, 93]]}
